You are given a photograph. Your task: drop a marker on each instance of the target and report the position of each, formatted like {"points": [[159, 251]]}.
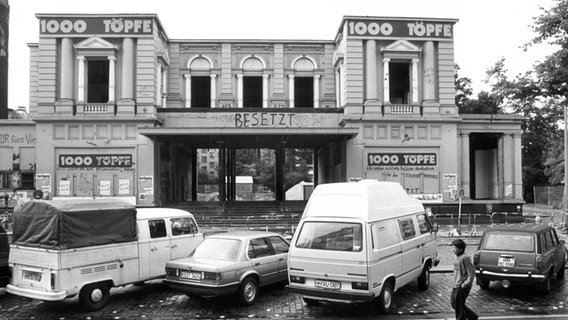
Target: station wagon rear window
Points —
{"points": [[333, 236], [510, 242]]}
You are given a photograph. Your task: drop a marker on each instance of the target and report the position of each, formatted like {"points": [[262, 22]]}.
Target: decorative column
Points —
{"points": [[291, 91], [66, 85], [159, 85], [111, 78], [128, 60], [429, 102], [81, 80], [316, 91], [239, 90], [265, 90], [415, 81], [465, 169], [386, 79], [508, 166], [187, 78], [213, 91], [337, 88], [518, 167], [371, 71]]}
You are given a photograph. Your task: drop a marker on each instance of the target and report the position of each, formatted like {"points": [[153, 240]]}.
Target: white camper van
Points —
{"points": [[359, 242], [62, 248]]}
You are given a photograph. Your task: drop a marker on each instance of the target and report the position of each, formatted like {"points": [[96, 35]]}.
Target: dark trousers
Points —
{"points": [[458, 303]]}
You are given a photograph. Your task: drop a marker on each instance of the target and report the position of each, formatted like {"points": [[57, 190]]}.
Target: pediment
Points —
{"points": [[401, 46], [95, 43]]}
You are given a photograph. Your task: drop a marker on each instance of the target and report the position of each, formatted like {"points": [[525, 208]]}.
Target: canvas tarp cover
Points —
{"points": [[66, 224]]}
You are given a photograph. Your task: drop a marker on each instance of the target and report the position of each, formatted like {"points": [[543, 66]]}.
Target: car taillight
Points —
{"points": [[538, 262], [360, 285], [212, 276], [297, 279], [172, 272], [476, 259]]}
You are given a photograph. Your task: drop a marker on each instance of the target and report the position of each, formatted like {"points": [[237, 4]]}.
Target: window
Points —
{"points": [[258, 248], [385, 235], [333, 236], [252, 94], [182, 226], [510, 241], [220, 249], [424, 224], [279, 245], [407, 228], [97, 80], [304, 90], [157, 228], [17, 180], [200, 92], [399, 82]]}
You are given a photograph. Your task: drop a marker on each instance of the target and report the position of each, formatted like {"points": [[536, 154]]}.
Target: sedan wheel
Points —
{"points": [[248, 291]]}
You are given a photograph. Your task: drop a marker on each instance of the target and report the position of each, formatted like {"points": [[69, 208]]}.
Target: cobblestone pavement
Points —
{"points": [[155, 300]]}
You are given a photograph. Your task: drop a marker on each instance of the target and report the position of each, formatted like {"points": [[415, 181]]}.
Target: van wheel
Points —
{"points": [[385, 298], [424, 279], [248, 291], [310, 302], [94, 296], [483, 283]]}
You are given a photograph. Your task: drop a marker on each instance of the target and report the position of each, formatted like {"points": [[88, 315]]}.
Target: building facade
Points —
{"points": [[119, 109]]}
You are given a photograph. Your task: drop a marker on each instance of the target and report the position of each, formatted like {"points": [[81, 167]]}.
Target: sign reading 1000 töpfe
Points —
{"points": [[400, 28], [95, 161]]}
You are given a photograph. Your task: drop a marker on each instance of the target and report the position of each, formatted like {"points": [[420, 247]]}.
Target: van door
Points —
{"points": [[411, 248], [427, 236], [160, 251], [185, 236]]}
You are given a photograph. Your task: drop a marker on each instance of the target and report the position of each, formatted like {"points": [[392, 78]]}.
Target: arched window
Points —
{"points": [[252, 84], [200, 83], [304, 84]]}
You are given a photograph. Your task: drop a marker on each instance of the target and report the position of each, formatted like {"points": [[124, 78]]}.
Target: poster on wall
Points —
{"points": [[450, 182], [43, 182], [123, 186], [64, 187], [417, 172], [145, 187], [104, 188]]}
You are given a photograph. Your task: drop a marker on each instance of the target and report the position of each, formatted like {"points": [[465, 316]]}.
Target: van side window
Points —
{"points": [[157, 228], [424, 224], [385, 234], [258, 248], [407, 228], [183, 226]]}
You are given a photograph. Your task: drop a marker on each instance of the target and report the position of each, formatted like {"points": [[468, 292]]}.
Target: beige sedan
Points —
{"points": [[231, 263]]}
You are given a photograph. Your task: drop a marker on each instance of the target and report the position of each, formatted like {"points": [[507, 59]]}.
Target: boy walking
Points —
{"points": [[464, 273]]}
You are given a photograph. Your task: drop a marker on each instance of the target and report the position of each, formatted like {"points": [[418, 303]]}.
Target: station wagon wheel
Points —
{"points": [[560, 273], [385, 298], [248, 290], [94, 296], [424, 279], [544, 287]]}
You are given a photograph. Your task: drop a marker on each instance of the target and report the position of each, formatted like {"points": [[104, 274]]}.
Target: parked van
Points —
{"points": [[360, 241], [62, 248], [4, 250]]}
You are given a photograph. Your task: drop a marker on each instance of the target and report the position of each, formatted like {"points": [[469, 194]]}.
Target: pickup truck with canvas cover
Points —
{"points": [[62, 248]]}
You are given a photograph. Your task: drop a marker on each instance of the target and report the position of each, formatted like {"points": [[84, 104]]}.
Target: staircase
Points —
{"points": [[276, 216]]}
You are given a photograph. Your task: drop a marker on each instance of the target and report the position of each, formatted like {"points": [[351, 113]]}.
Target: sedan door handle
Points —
{"points": [[175, 246], [153, 249], [257, 264], [280, 259]]}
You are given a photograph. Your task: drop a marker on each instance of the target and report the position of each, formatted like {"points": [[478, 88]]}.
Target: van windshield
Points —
{"points": [[333, 236]]}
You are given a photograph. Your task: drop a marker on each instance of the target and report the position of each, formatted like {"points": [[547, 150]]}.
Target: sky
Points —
{"points": [[487, 30]]}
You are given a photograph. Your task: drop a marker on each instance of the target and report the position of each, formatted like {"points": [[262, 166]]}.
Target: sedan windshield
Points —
{"points": [[221, 249]]}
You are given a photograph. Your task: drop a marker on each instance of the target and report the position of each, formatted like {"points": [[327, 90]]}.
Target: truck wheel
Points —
{"points": [[385, 298], [94, 296], [248, 290], [424, 279]]}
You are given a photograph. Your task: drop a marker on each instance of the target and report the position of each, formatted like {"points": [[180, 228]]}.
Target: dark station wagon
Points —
{"points": [[520, 253]]}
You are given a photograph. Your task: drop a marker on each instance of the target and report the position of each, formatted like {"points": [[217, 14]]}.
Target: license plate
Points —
{"points": [[33, 276], [506, 262], [191, 275], [327, 284]]}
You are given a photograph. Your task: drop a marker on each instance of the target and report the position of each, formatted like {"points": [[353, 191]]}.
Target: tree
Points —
{"points": [[463, 88]]}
